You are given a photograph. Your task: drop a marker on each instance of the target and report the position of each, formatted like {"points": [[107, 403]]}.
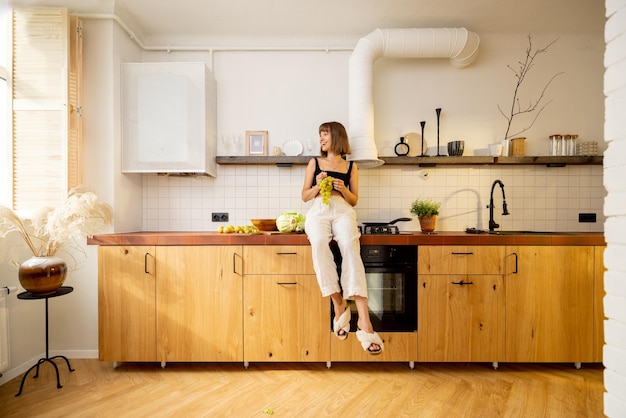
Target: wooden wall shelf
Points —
{"points": [[282, 160], [552, 161], [286, 161]]}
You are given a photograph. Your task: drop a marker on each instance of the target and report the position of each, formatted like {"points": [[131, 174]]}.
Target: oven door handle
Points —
{"points": [[462, 282]]}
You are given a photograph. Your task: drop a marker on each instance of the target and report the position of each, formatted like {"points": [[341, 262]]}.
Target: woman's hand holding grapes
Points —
{"points": [[338, 185]]}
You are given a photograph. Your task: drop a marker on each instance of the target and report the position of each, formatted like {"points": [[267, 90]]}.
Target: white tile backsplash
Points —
{"points": [[538, 197]]}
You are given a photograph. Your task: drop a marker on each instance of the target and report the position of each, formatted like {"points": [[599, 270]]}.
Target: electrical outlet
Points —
{"points": [[219, 217], [586, 217]]}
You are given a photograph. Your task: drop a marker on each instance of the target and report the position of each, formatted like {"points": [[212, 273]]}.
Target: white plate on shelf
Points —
{"points": [[415, 142], [292, 147]]}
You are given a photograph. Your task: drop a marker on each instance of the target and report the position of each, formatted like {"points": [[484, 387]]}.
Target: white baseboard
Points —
{"points": [[12, 373]]}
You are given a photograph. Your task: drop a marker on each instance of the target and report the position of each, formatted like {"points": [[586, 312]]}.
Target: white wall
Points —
{"points": [[26, 319], [74, 317], [614, 353], [291, 93]]}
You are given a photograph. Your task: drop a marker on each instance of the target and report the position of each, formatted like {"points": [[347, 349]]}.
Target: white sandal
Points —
{"points": [[343, 323], [367, 339]]}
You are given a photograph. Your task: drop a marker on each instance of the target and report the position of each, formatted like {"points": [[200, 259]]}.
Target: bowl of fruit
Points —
{"points": [[265, 224]]}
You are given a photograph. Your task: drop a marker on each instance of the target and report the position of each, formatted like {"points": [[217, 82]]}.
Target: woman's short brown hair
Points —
{"points": [[340, 142]]}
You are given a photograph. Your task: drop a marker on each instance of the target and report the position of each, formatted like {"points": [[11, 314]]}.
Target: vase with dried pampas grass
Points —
{"points": [[81, 215]]}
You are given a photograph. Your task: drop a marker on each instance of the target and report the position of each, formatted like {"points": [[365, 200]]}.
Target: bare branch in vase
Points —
{"points": [[533, 105]]}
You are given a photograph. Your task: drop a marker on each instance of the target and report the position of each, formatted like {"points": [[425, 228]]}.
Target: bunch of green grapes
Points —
{"points": [[239, 229], [326, 186]]}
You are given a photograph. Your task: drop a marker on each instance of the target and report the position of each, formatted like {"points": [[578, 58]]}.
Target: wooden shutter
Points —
{"points": [[75, 128], [46, 132]]}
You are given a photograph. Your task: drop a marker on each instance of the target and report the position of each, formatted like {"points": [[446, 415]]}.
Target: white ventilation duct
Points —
{"points": [[458, 44]]}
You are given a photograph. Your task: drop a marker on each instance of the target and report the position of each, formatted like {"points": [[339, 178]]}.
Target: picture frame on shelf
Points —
{"points": [[256, 143]]}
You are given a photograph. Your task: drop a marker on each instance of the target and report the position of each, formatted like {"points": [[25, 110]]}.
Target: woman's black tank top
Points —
{"points": [[334, 174]]}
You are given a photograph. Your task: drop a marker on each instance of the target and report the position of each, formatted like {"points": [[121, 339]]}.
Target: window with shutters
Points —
{"points": [[5, 172], [46, 127], [4, 136]]}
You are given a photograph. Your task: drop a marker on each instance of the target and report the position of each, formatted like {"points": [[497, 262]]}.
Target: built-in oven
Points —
{"points": [[391, 274]]}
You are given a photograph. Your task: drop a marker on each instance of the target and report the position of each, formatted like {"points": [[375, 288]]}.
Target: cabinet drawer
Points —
{"points": [[399, 346], [277, 259], [461, 259]]}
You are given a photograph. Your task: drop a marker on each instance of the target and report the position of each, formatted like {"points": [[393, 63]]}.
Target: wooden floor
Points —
{"points": [[95, 389]]}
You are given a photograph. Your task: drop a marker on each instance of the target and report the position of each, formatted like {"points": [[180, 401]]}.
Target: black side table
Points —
{"points": [[63, 290]]}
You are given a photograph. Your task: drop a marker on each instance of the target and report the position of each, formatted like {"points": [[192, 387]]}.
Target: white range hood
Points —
{"points": [[458, 44]]}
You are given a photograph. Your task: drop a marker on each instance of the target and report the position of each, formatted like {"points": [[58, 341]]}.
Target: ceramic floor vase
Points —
{"points": [[42, 275]]}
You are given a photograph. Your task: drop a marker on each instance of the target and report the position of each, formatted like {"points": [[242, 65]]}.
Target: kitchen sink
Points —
{"points": [[524, 232], [521, 233]]}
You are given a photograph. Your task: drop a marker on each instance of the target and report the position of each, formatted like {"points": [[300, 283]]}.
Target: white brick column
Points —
{"points": [[614, 353]]}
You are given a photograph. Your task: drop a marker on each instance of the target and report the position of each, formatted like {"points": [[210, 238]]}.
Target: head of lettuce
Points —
{"points": [[290, 222]]}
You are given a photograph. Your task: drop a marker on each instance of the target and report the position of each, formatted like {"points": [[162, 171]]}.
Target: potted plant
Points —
{"points": [[82, 214], [426, 211]]}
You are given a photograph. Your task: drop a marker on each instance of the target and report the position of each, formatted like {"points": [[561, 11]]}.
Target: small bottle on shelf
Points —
{"points": [[564, 143], [571, 146]]}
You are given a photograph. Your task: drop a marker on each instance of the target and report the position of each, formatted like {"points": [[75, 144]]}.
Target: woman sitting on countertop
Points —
{"points": [[336, 219]]}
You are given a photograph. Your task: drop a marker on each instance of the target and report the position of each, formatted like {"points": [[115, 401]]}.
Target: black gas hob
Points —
{"points": [[382, 228]]}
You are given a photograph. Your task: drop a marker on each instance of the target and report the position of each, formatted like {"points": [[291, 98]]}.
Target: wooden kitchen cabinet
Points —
{"points": [[461, 322], [170, 303], [285, 319], [262, 303], [550, 304], [461, 315], [199, 303], [285, 316], [461, 259], [278, 259], [126, 303], [598, 307]]}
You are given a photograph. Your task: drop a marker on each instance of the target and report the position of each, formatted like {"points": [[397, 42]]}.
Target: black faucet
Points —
{"points": [[492, 224]]}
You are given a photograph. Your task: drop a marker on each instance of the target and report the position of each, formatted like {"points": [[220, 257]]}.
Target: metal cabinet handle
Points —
{"points": [[461, 253], [145, 263], [285, 283], [235, 263], [462, 283], [516, 258], [286, 253]]}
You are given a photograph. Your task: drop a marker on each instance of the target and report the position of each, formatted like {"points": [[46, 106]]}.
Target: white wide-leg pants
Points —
{"points": [[337, 221]]}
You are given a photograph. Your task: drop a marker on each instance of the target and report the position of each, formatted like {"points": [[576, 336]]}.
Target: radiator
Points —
{"points": [[4, 327]]}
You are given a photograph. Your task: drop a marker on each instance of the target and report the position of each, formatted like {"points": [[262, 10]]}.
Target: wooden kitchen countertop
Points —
{"points": [[407, 238]]}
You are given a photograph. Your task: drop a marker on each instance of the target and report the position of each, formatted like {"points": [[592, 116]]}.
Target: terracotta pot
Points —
{"points": [[42, 275], [427, 223]]}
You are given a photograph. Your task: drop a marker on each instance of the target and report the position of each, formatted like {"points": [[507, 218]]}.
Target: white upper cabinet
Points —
{"points": [[169, 116]]}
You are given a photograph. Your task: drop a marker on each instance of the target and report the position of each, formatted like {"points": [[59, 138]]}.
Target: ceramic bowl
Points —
{"points": [[495, 149], [455, 148], [265, 224]]}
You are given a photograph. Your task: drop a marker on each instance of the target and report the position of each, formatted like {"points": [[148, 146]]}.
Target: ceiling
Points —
{"points": [[189, 22]]}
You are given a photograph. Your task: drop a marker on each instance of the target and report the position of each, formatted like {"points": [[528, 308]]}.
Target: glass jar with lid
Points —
{"points": [[554, 147]]}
